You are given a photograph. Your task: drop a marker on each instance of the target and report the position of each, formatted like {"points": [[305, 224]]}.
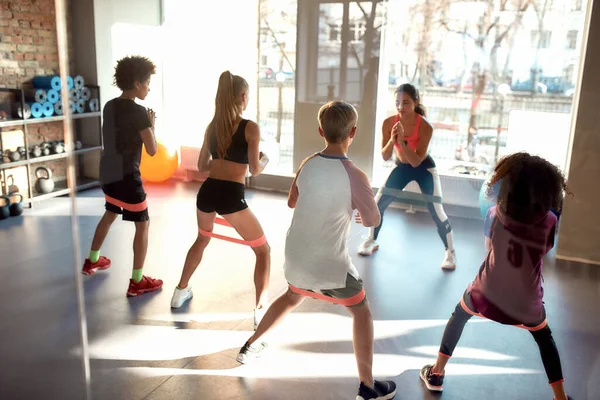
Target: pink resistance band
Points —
{"points": [[127, 206], [521, 326], [348, 302], [221, 221]]}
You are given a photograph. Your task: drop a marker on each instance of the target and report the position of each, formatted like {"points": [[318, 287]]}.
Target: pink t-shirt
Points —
{"points": [[324, 195], [511, 275]]}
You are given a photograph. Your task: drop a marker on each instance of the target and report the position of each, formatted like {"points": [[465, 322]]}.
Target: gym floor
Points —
{"points": [[140, 349]]}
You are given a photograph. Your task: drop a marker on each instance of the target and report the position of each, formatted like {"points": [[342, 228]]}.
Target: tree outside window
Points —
{"points": [[544, 39]]}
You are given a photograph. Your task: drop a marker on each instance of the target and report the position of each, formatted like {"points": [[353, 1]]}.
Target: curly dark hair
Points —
{"points": [[131, 69], [527, 186]]}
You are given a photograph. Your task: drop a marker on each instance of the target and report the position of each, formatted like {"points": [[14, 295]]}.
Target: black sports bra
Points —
{"points": [[238, 149]]}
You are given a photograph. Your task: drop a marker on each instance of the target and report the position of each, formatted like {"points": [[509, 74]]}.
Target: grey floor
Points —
{"points": [[140, 349]]}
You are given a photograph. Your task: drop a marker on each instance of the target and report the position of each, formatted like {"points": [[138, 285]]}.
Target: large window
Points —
{"points": [[276, 84], [482, 69], [343, 63], [572, 39], [541, 39]]}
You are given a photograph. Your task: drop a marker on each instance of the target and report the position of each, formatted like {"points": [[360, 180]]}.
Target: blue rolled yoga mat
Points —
{"points": [[58, 108], [94, 105], [48, 109], [70, 82], [47, 82], [86, 93], [40, 96], [79, 82], [80, 106], [73, 107], [53, 96], [36, 110], [73, 95]]}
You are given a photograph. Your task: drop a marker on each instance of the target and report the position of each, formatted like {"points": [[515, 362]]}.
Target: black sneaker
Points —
{"points": [[382, 390], [250, 352], [433, 382]]}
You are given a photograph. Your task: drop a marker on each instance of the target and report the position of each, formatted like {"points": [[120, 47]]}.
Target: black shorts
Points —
{"points": [[127, 197], [222, 197]]}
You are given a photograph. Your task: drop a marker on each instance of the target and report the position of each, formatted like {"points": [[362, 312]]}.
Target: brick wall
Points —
{"points": [[28, 44], [28, 47]]}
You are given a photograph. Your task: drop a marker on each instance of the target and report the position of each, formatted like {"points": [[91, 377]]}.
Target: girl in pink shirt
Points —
{"points": [[519, 231]]}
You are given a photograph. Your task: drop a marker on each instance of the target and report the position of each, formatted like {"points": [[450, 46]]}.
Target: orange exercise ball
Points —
{"points": [[161, 166]]}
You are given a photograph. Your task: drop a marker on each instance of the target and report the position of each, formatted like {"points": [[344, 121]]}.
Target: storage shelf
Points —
{"points": [[51, 157], [84, 166], [61, 188], [32, 121], [11, 122]]}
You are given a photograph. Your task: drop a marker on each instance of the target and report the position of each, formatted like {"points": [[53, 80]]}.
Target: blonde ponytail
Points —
{"points": [[227, 110]]}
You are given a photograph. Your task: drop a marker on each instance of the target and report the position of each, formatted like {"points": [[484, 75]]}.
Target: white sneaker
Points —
{"points": [[259, 313], [450, 260], [180, 296], [251, 352], [368, 247]]}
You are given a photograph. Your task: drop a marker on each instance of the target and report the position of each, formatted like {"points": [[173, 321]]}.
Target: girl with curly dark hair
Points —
{"points": [[519, 231]]}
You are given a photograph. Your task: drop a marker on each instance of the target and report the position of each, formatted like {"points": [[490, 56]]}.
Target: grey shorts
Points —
{"points": [[352, 295]]}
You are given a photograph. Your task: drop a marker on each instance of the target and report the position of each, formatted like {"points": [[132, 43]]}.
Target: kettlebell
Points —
{"points": [[44, 146], [14, 156], [5, 208], [78, 145], [36, 151], [22, 151], [16, 208], [10, 183], [45, 149], [43, 184], [57, 148]]}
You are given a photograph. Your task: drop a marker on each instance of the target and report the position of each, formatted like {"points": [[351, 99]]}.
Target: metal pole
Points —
{"points": [[499, 131], [279, 110], [63, 61], [279, 101]]}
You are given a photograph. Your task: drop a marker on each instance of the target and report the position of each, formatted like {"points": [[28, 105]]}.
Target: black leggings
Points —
{"points": [[429, 182], [543, 338]]}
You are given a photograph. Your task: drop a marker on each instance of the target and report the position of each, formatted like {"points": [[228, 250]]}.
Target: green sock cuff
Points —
{"points": [[137, 275], [94, 256]]}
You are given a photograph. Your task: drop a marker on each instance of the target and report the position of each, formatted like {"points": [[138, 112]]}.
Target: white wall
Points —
{"points": [[201, 41], [107, 15]]}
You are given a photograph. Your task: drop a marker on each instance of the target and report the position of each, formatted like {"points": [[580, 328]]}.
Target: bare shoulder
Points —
{"points": [[252, 130], [389, 121], [426, 128]]}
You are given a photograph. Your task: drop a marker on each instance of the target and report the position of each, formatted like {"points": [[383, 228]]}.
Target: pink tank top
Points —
{"points": [[412, 140]]}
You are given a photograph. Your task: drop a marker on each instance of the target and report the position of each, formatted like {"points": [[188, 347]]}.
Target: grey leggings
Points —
{"points": [[429, 182]]}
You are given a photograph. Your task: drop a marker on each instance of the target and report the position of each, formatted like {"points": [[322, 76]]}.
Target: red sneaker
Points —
{"points": [[146, 285], [90, 268]]}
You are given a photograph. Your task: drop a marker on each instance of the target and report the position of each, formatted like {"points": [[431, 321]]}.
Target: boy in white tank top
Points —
{"points": [[327, 189]]}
